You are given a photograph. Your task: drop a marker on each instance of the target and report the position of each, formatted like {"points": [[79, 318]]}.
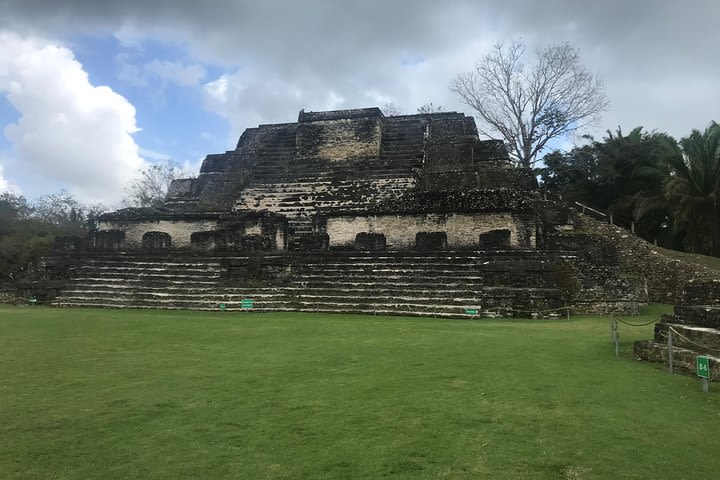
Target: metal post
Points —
{"points": [[567, 311], [670, 349], [706, 385], [632, 226], [611, 219], [617, 339]]}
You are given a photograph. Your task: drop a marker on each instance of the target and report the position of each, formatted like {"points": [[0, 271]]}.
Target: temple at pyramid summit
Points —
{"points": [[321, 182], [355, 211]]}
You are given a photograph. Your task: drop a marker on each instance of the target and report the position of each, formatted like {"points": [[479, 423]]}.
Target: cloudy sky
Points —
{"points": [[93, 91]]}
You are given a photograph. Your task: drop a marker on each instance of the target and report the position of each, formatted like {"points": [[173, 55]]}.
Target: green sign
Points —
{"points": [[247, 303], [222, 306], [703, 366], [470, 311]]}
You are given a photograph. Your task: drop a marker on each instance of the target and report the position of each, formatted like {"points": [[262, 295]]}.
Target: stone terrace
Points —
{"points": [[346, 211], [696, 331], [442, 284]]}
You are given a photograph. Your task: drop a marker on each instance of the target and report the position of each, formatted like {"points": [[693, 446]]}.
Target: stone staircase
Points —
{"points": [[283, 182], [695, 331], [401, 149], [443, 284]]}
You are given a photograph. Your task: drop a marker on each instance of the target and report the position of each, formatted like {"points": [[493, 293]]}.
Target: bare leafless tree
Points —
{"points": [[392, 109], [151, 186], [553, 97], [430, 108]]}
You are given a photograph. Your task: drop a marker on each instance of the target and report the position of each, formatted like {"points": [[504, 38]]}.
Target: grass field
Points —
{"points": [[104, 394]]}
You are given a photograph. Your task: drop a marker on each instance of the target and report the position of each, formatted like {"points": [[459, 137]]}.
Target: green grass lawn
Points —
{"points": [[102, 394]]}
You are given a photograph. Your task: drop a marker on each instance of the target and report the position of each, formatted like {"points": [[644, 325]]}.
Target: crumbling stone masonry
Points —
{"points": [[348, 211], [696, 331]]}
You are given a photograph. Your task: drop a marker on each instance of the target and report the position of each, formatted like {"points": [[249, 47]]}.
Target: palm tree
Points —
{"points": [[634, 167], [693, 191]]}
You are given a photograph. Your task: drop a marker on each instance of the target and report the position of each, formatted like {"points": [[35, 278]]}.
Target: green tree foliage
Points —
{"points": [[693, 191], [622, 174], [669, 189], [28, 230]]}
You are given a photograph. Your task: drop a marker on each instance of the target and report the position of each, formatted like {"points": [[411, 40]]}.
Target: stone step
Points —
{"points": [[359, 311], [294, 305], [134, 268], [315, 188], [81, 280], [684, 360], [360, 289], [400, 282], [281, 297], [490, 264], [704, 340], [88, 271], [700, 315], [410, 276], [481, 296]]}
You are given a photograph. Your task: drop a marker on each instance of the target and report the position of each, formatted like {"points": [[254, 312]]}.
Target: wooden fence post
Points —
{"points": [[670, 349]]}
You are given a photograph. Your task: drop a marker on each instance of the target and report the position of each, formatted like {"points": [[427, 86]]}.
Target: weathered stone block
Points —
{"points": [[683, 359], [494, 240], [106, 240], [602, 251], [156, 241], [254, 241], [371, 242], [220, 240], [702, 292], [701, 316], [431, 241], [314, 242]]}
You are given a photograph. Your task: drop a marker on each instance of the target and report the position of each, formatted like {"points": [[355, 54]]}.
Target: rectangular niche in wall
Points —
{"points": [[431, 241], [494, 240], [370, 242]]}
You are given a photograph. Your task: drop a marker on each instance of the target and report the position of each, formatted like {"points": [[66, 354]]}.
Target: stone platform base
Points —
{"points": [[694, 332], [683, 359]]}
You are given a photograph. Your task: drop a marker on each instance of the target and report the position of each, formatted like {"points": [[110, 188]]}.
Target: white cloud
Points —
{"points": [[652, 56], [176, 72], [4, 184], [247, 99], [158, 72], [69, 130], [191, 168], [155, 156]]}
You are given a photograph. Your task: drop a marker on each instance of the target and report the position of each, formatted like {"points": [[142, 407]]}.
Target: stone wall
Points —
{"points": [[179, 230], [340, 140], [8, 293], [695, 332], [667, 277], [137, 222], [701, 316], [463, 230]]}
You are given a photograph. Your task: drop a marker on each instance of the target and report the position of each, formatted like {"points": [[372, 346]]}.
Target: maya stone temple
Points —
{"points": [[355, 211]]}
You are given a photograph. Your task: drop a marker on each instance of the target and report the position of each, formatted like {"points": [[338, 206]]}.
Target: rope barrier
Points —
{"points": [[633, 324], [705, 347]]}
